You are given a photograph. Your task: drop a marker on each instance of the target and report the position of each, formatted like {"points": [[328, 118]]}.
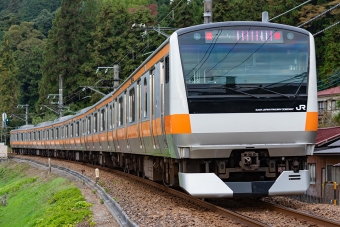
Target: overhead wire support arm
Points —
{"points": [[91, 88], [321, 14], [50, 109], [13, 115], [289, 10]]}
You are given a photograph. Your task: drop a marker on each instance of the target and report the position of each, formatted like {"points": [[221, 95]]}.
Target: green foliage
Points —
{"points": [[9, 86], [87, 34], [29, 201], [48, 116], [27, 44], [30, 9], [67, 47]]}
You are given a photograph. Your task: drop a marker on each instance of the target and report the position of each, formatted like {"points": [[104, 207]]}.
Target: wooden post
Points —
{"points": [[334, 184], [97, 175]]}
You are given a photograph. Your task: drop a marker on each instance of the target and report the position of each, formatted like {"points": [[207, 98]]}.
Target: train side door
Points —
{"points": [[82, 134], [164, 78], [139, 116], [155, 107], [110, 130]]}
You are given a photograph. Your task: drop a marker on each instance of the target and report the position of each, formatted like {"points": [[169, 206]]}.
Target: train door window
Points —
{"points": [[38, 135], [71, 130], [103, 119], [57, 133], [145, 98], [84, 127], [47, 134], [52, 133], [166, 65], [89, 125], [109, 119], [121, 112], [66, 131], [113, 114], [132, 106], [95, 122], [77, 128]]}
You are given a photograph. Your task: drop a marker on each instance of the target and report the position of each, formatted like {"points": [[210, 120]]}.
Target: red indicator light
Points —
{"points": [[277, 35], [208, 36]]}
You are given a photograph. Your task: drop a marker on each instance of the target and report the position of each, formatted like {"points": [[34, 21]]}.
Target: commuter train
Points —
{"points": [[224, 109]]}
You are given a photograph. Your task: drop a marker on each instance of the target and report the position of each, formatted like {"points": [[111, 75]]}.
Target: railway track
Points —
{"points": [[227, 213], [299, 214], [236, 216]]}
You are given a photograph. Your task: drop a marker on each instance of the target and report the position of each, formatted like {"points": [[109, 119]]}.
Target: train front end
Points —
{"points": [[247, 92]]}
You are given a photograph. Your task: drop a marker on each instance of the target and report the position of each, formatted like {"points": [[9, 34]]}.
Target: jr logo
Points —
{"points": [[301, 107]]}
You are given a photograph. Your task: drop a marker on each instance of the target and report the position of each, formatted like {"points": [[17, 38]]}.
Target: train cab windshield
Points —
{"points": [[245, 62]]}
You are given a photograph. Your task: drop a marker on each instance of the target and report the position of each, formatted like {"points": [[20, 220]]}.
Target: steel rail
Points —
{"points": [[299, 214], [224, 212]]}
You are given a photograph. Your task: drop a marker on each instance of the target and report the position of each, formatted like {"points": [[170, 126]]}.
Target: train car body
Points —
{"points": [[223, 109]]}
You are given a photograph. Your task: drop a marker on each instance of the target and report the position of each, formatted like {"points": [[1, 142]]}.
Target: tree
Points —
{"points": [[43, 22], [67, 47], [27, 44], [9, 86]]}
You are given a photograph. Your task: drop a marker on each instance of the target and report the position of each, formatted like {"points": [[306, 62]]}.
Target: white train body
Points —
{"points": [[223, 109]]}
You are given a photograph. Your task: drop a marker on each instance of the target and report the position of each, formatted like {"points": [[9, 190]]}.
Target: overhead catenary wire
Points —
{"points": [[326, 28], [289, 10], [321, 14]]}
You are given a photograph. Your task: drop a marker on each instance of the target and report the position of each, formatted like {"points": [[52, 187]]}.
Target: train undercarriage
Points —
{"points": [[245, 173]]}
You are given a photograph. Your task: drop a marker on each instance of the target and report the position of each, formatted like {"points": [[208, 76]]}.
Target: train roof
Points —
{"points": [[42, 124], [240, 23]]}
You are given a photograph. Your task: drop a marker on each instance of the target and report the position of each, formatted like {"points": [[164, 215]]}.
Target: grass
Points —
{"points": [[38, 199]]}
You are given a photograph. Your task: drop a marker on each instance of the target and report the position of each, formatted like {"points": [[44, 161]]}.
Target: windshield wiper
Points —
{"points": [[302, 75], [297, 90], [245, 93], [274, 92]]}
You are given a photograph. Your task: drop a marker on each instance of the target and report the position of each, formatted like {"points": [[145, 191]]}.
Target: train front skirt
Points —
{"points": [[209, 185]]}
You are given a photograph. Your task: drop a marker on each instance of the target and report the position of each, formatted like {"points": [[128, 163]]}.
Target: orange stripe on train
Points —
{"points": [[311, 121], [177, 124]]}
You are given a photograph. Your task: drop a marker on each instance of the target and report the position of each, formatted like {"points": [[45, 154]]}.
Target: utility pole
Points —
{"points": [[207, 11], [60, 104], [26, 112], [116, 76]]}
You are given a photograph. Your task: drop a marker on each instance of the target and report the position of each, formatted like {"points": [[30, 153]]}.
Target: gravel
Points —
{"points": [[147, 206]]}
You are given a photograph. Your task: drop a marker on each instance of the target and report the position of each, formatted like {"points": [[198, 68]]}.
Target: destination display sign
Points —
{"points": [[244, 36]]}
